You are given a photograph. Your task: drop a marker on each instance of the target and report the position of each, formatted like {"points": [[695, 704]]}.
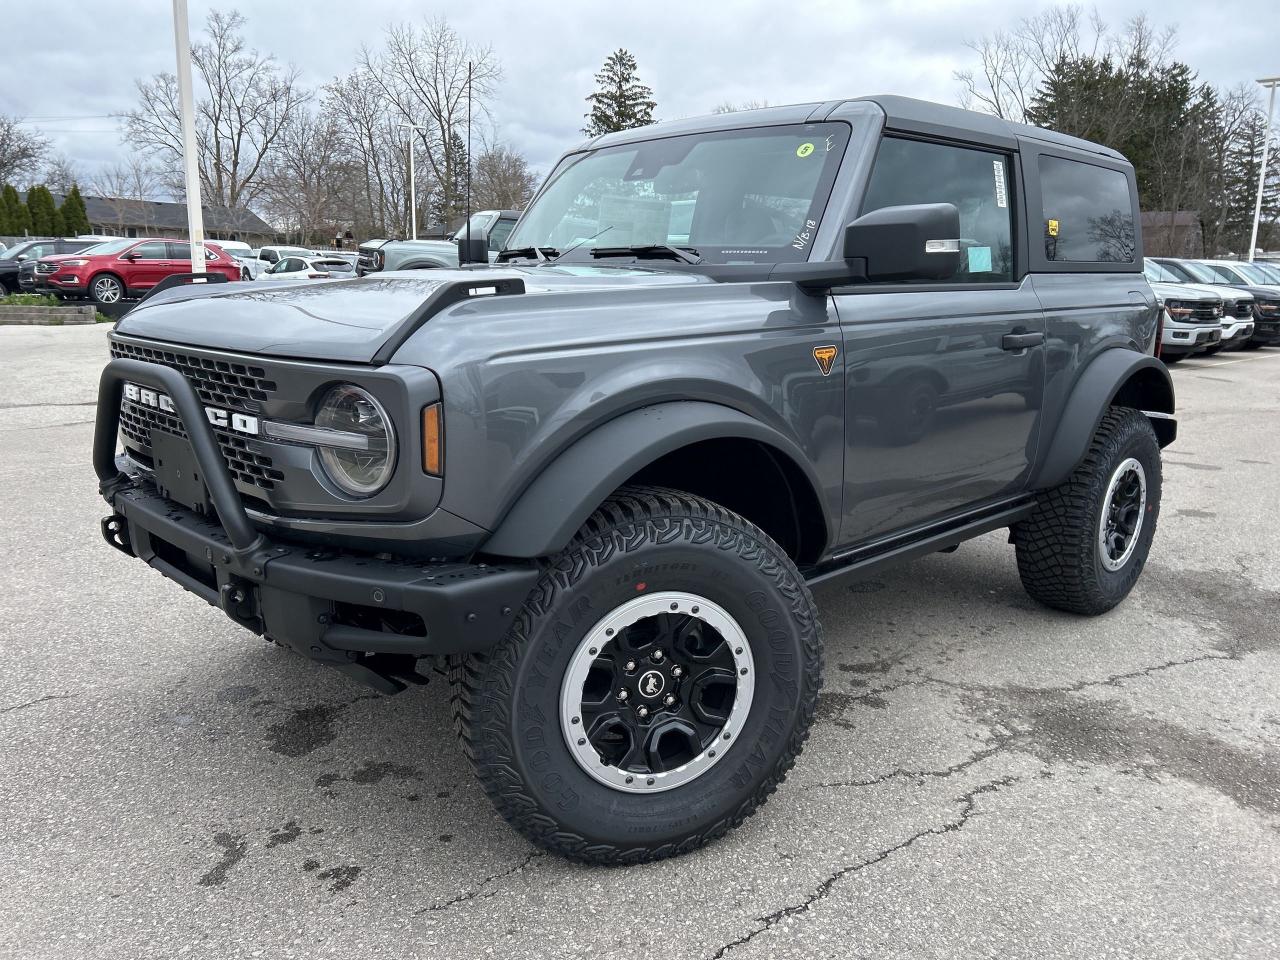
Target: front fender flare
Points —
{"points": [[1146, 385], [554, 506]]}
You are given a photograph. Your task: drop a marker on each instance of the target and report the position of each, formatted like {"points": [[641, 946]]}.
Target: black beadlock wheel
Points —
{"points": [[657, 685], [1084, 546]]}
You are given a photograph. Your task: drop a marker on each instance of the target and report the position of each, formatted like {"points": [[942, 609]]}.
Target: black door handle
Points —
{"points": [[1020, 341]]}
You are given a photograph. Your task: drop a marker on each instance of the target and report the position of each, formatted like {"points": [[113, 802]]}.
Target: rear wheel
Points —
{"points": [[655, 689], [1085, 545]]}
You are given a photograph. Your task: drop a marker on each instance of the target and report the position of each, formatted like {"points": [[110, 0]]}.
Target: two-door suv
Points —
{"points": [[720, 360]]}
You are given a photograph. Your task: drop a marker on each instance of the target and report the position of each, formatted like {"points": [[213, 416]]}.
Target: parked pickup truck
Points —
{"points": [[599, 478], [491, 226]]}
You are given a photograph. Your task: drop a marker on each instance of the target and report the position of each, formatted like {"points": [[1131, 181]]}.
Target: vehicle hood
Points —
{"points": [[1184, 291], [349, 320]]}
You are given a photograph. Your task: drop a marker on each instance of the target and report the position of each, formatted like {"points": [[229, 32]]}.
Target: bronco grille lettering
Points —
{"points": [[226, 419]]}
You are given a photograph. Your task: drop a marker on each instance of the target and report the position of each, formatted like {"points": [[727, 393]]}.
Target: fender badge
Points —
{"points": [[825, 356]]}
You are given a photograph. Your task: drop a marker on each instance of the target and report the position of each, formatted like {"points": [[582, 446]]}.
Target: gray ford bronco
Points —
{"points": [[719, 361]]}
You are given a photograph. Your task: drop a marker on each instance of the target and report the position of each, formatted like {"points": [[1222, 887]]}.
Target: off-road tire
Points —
{"points": [[1059, 559], [506, 702]]}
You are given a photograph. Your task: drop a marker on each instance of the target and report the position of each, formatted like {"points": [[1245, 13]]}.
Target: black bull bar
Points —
{"points": [[293, 594]]}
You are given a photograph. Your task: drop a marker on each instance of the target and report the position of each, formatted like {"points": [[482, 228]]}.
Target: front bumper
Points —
{"points": [[338, 607], [1186, 338], [1266, 330]]}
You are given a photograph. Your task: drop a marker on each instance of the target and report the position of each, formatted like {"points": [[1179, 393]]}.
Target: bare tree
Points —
{"points": [[303, 176], [728, 106], [128, 188], [422, 71], [245, 103], [374, 184], [60, 173], [21, 151], [502, 179]]}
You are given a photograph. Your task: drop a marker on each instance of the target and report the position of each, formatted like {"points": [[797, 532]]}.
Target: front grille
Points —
{"points": [[46, 267], [1243, 309], [219, 383], [137, 422], [1208, 312]]}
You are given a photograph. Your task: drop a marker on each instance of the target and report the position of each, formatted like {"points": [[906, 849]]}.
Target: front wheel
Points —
{"points": [[655, 689], [106, 289], [1085, 545]]}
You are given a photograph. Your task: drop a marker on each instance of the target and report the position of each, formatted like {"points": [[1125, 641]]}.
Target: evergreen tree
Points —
{"points": [[621, 100], [6, 215], [17, 217], [75, 219], [45, 221]]}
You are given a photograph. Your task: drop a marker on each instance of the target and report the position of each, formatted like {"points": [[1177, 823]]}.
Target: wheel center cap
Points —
{"points": [[652, 684]]}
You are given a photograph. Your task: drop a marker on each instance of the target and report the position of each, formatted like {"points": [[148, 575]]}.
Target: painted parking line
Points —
{"points": [[1223, 363]]}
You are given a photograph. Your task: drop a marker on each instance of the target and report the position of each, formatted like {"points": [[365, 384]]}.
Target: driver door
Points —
{"points": [[944, 381]]}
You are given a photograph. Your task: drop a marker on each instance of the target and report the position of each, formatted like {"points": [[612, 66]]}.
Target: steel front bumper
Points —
{"points": [[334, 606]]}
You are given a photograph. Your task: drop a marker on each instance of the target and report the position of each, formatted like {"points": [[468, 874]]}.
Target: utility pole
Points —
{"points": [[190, 160], [469, 151], [1271, 83], [413, 181]]}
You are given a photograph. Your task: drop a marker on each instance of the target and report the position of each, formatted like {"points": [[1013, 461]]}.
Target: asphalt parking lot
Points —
{"points": [[986, 777]]}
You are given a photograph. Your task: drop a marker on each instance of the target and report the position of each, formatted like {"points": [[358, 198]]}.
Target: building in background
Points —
{"points": [[118, 217]]}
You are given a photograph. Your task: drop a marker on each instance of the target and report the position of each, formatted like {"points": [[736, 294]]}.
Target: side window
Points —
{"points": [[154, 250], [498, 235], [268, 255], [180, 251], [1088, 213], [976, 181]]}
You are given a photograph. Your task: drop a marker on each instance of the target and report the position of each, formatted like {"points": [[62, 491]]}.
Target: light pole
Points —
{"points": [[1270, 83], [413, 189], [186, 103]]}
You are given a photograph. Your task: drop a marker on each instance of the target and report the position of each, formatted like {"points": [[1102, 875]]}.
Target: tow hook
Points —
{"points": [[236, 597], [115, 530]]}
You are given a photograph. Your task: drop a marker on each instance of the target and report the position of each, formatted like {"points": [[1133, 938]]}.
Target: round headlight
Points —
{"points": [[360, 472]]}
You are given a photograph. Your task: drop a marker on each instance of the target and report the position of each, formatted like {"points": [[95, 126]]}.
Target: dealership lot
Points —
{"points": [[986, 777]]}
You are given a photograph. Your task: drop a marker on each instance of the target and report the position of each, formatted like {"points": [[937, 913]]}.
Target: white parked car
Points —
{"points": [[309, 268]]}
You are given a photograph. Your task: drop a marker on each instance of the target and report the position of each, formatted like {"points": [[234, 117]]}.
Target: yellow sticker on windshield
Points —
{"points": [[804, 149], [1053, 228]]}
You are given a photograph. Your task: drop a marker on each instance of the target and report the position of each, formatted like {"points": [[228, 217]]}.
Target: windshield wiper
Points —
{"points": [[541, 254], [655, 251]]}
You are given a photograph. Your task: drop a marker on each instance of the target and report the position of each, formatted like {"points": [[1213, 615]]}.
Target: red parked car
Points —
{"points": [[128, 267]]}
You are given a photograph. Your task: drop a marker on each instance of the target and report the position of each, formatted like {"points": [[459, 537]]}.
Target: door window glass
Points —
{"points": [[975, 181], [1087, 213], [153, 250]]}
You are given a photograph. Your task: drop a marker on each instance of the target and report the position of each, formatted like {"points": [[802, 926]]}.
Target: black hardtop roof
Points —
{"points": [[904, 114]]}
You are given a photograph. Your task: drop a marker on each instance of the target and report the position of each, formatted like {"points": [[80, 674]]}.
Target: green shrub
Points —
{"points": [[29, 300]]}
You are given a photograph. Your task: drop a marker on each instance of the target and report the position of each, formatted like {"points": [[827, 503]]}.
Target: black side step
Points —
{"points": [[446, 296], [864, 560]]}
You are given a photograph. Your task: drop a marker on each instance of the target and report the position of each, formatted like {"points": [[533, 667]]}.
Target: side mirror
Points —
{"points": [[21, 257], [915, 242], [130, 256], [472, 250]]}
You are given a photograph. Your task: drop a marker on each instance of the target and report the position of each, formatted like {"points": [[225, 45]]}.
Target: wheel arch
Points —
{"points": [[672, 444], [1115, 378]]}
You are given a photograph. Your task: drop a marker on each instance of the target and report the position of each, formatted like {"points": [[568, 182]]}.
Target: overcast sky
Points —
{"points": [[78, 62]]}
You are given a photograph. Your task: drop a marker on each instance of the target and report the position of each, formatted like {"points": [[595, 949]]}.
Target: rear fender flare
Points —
{"points": [[1116, 377], [551, 509]]}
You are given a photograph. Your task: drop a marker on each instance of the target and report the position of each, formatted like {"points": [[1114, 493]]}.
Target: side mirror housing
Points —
{"points": [[913, 242], [21, 257], [472, 249]]}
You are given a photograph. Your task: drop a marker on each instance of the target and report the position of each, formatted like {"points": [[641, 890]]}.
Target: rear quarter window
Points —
{"points": [[1087, 213]]}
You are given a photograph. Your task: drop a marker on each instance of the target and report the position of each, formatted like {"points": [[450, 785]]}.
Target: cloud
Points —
{"points": [[694, 55]]}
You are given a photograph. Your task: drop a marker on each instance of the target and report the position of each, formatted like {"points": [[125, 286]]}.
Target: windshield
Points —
{"points": [[110, 246], [736, 196], [1268, 270], [1201, 273], [1252, 273], [1155, 271]]}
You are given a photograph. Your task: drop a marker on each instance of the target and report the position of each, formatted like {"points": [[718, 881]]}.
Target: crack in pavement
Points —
{"points": [[968, 801], [31, 703], [480, 888]]}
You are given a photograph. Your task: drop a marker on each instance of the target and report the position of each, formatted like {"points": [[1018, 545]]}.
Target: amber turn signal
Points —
{"points": [[432, 446]]}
